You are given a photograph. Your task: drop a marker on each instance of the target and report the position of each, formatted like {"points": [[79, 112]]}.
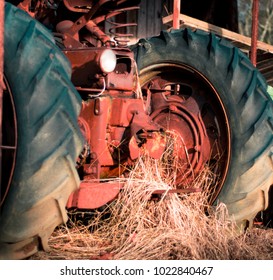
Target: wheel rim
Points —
{"points": [[186, 104], [9, 142]]}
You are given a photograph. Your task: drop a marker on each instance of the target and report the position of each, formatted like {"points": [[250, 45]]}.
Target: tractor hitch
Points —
{"points": [[93, 195]]}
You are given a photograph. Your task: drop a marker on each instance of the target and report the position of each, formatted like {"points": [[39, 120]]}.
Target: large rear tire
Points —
{"points": [[48, 140], [218, 76]]}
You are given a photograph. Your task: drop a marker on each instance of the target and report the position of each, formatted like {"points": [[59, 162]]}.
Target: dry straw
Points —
{"points": [[141, 225]]}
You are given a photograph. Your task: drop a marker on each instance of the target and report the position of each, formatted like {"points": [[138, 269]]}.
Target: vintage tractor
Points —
{"points": [[80, 106]]}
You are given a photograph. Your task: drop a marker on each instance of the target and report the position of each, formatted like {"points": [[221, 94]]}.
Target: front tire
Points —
{"points": [[48, 140]]}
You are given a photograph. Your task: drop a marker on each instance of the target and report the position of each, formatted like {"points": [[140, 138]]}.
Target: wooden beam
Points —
{"points": [[199, 24]]}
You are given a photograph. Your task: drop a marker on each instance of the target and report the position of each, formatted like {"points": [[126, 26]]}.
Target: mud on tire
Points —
{"points": [[49, 140]]}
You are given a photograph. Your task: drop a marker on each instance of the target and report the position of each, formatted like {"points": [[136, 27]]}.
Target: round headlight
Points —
{"points": [[108, 61]]}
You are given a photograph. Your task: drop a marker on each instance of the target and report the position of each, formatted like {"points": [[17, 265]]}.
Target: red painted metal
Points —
{"points": [[154, 145], [94, 29], [87, 75], [117, 124], [176, 13], [191, 114], [254, 33], [118, 121], [62, 28], [117, 130], [93, 195], [86, 20], [184, 129], [82, 21], [86, 71]]}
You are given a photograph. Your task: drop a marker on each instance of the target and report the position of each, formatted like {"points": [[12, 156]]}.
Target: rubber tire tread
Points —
{"points": [[243, 92], [49, 139]]}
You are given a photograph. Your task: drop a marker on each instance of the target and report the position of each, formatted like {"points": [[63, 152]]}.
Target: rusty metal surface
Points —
{"points": [[120, 125], [179, 117], [78, 5], [254, 31], [117, 129], [176, 13], [189, 110], [87, 75], [119, 28], [94, 117], [83, 20], [94, 29], [85, 66], [154, 144], [92, 195], [178, 191]]}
